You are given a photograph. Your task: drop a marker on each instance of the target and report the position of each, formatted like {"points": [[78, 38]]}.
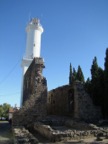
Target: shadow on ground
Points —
{"points": [[6, 136]]}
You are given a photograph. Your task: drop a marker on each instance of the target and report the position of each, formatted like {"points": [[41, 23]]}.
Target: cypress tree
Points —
{"points": [[100, 87], [97, 85], [70, 75], [74, 73], [94, 79], [106, 85], [88, 86], [80, 75], [94, 69]]}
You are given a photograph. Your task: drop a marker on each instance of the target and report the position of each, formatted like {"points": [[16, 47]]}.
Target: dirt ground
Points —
{"points": [[6, 136], [43, 140]]}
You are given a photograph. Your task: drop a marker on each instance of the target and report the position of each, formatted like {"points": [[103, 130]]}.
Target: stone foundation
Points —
{"points": [[63, 133], [23, 136]]}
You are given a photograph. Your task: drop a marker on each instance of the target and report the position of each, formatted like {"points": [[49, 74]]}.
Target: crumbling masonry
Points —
{"points": [[68, 104], [34, 95], [68, 100]]}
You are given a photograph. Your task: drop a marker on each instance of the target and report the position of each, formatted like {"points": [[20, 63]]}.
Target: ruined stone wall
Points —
{"points": [[33, 79], [34, 96], [23, 136], [58, 100], [72, 101], [84, 107], [74, 131]]}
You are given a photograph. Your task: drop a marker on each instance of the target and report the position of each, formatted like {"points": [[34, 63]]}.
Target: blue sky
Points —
{"points": [[74, 31]]}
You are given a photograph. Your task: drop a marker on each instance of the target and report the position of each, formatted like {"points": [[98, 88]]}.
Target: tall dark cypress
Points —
{"points": [[106, 84], [94, 79], [70, 75], [100, 87], [88, 86], [80, 75], [94, 69], [74, 74]]}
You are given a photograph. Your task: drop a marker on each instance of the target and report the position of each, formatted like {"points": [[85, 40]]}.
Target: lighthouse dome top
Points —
{"points": [[35, 21], [34, 24]]}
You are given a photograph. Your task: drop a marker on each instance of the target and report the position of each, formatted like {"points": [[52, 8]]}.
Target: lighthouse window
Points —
{"points": [[34, 45]]}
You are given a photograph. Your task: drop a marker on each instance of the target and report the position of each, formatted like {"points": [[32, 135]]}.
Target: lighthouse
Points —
{"points": [[33, 46], [33, 43]]}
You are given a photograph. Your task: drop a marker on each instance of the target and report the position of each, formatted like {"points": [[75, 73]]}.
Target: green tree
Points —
{"points": [[74, 73], [94, 80], [88, 86], [106, 85], [97, 83], [1, 111], [94, 69], [70, 75], [5, 110], [79, 75], [100, 87]]}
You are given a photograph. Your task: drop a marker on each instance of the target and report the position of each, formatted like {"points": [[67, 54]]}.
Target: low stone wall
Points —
{"points": [[62, 133], [48, 132], [23, 136]]}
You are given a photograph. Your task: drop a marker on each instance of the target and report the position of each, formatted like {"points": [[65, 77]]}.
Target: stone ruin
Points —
{"points": [[71, 130], [60, 114], [34, 95], [73, 101], [23, 136]]}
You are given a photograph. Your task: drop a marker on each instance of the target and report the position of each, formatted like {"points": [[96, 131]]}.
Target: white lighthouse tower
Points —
{"points": [[33, 45]]}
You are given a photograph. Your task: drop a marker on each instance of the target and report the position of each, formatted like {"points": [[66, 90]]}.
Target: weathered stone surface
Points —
{"points": [[67, 102], [84, 108], [62, 133], [34, 96], [34, 82], [58, 100], [72, 101], [79, 125], [23, 136]]}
